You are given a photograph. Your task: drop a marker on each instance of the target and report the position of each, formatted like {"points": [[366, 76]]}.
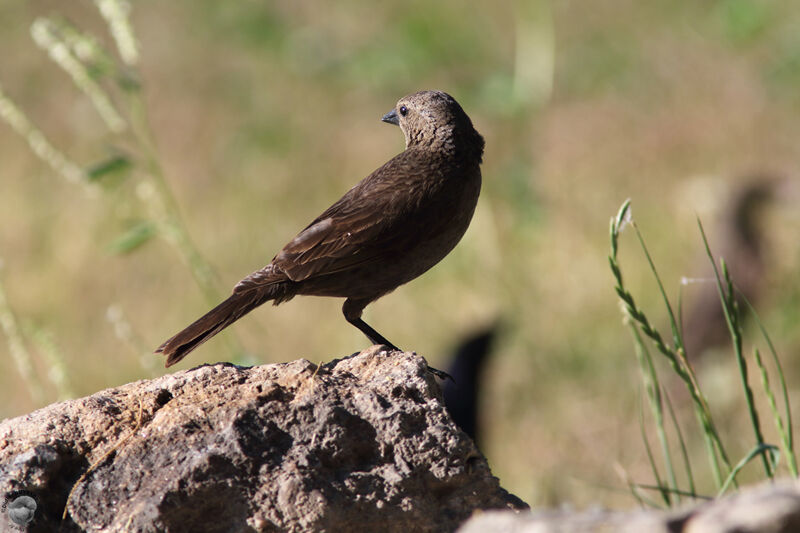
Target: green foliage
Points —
{"points": [[106, 170], [744, 20], [138, 234], [675, 354]]}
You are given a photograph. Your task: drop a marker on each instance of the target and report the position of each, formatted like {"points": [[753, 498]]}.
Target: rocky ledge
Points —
{"points": [[362, 443]]}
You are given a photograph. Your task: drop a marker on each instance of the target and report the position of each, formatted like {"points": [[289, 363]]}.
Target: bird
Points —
{"points": [[461, 394], [742, 243], [388, 229]]}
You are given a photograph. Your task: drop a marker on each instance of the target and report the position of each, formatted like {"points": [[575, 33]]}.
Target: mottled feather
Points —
{"points": [[388, 229]]}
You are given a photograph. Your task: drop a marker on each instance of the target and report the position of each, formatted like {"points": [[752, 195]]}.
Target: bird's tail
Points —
{"points": [[208, 325]]}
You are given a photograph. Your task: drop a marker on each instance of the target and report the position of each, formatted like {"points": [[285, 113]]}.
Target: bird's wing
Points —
{"points": [[354, 230]]}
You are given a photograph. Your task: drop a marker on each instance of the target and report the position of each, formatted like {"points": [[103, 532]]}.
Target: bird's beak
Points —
{"points": [[391, 118]]}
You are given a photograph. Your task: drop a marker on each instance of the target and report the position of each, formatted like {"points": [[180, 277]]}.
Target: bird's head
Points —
{"points": [[434, 120]]}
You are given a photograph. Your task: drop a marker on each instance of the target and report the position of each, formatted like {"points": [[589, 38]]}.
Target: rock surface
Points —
{"points": [[359, 444], [769, 508]]}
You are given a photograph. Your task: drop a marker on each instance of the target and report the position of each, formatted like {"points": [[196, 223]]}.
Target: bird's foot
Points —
{"points": [[441, 374]]}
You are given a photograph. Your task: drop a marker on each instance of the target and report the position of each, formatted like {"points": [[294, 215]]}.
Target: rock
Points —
{"points": [[359, 444], [596, 521], [768, 508]]}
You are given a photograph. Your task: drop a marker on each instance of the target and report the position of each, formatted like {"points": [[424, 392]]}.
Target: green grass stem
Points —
{"points": [[57, 372], [768, 451], [714, 446], [732, 317], [665, 495], [16, 346], [786, 432], [684, 450], [784, 435], [654, 399]]}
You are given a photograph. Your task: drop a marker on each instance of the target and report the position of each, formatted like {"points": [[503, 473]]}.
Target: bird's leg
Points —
{"points": [[352, 312], [371, 334], [377, 338]]}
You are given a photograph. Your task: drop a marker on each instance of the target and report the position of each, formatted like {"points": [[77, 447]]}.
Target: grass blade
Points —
{"points": [[714, 446], [788, 437], [684, 451], [730, 309], [662, 488], [16, 346], [770, 454], [785, 440], [654, 399]]}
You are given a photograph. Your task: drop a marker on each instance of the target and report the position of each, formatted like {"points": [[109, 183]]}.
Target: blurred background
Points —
{"points": [[261, 114]]}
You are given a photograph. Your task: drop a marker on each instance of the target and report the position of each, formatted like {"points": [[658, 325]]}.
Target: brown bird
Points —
{"points": [[742, 243], [388, 229]]}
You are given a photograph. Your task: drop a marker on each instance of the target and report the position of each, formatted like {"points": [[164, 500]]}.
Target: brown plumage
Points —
{"points": [[741, 242], [388, 229]]}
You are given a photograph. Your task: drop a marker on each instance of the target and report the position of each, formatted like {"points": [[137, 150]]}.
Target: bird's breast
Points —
{"points": [[441, 221]]}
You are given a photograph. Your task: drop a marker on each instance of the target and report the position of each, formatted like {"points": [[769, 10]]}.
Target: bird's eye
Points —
{"points": [[403, 110]]}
